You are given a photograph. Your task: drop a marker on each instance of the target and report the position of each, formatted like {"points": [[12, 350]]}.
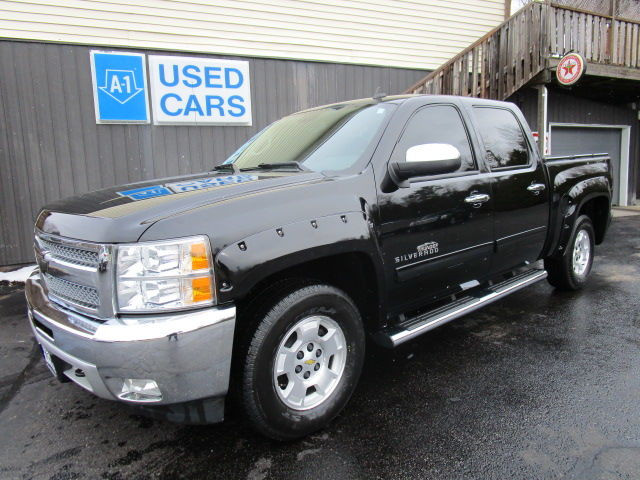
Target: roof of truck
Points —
{"points": [[471, 100], [403, 98]]}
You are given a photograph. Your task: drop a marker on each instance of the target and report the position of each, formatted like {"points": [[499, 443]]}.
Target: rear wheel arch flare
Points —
{"points": [[595, 205], [597, 208]]}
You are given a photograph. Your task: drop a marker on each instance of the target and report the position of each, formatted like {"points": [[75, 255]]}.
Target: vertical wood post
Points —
{"points": [[613, 40], [545, 35], [542, 118]]}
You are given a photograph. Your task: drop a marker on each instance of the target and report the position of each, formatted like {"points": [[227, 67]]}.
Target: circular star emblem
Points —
{"points": [[570, 68]]}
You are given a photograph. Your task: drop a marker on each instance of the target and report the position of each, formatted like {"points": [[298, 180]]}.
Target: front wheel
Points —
{"points": [[570, 271], [303, 362]]}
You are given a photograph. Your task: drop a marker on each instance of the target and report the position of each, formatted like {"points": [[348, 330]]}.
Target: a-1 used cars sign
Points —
{"points": [[199, 91], [184, 90]]}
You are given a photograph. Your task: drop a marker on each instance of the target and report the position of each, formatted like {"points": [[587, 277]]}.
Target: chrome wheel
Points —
{"points": [[581, 252], [309, 362]]}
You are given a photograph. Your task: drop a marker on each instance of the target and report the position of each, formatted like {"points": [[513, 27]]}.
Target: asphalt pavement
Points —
{"points": [[540, 385]]}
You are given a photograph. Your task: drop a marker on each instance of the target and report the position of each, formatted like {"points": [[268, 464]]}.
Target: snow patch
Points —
{"points": [[260, 469], [308, 451], [17, 276]]}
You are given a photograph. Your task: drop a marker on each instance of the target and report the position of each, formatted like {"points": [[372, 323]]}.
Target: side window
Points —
{"points": [[503, 137], [436, 124]]}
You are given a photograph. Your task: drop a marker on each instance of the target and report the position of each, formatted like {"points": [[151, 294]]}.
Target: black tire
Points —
{"points": [[560, 269], [262, 404]]}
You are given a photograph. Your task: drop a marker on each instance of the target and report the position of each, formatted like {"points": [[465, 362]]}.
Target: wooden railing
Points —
{"points": [[599, 38], [515, 52]]}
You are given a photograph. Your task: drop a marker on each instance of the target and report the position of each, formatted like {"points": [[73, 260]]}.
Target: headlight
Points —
{"points": [[165, 275]]}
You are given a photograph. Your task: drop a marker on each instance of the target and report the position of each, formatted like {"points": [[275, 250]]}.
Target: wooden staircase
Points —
{"points": [[530, 42]]}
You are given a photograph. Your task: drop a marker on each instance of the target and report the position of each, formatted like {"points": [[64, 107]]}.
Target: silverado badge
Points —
{"points": [[423, 250], [428, 248]]}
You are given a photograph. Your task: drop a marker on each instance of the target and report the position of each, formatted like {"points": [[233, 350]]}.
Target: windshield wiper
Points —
{"points": [[268, 166], [225, 167]]}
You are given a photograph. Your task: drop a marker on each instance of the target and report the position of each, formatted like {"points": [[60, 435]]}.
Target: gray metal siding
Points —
{"points": [[567, 108], [572, 140], [563, 107], [51, 147]]}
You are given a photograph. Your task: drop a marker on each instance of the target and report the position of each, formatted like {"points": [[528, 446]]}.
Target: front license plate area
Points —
{"points": [[55, 365], [49, 362]]}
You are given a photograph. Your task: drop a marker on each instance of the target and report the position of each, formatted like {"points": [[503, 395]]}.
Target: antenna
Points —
{"points": [[379, 95]]}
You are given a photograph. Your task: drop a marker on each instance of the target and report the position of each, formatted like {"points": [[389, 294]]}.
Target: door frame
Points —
{"points": [[625, 145]]}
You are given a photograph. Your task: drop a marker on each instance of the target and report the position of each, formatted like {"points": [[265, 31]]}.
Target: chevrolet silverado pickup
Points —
{"points": [[259, 282]]}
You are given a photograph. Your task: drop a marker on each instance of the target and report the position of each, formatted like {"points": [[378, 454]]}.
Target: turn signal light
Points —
{"points": [[199, 257], [201, 290]]}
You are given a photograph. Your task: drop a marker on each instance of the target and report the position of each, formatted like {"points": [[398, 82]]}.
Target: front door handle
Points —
{"points": [[536, 188], [477, 199]]}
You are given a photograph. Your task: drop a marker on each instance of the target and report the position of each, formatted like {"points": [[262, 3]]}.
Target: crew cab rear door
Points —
{"points": [[433, 238], [520, 191]]}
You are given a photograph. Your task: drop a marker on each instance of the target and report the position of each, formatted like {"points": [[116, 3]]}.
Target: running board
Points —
{"points": [[412, 327]]}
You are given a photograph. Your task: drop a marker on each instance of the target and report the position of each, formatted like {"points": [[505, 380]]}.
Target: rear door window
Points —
{"points": [[504, 141]]}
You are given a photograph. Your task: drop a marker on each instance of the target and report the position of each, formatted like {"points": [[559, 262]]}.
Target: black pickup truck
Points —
{"points": [[262, 278]]}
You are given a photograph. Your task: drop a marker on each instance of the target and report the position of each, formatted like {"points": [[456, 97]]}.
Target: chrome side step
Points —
{"points": [[412, 327]]}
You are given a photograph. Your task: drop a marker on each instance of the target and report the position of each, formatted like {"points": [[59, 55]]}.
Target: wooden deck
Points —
{"points": [[530, 42]]}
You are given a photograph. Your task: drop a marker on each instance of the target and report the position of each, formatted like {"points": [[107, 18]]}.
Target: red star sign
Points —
{"points": [[568, 69]]}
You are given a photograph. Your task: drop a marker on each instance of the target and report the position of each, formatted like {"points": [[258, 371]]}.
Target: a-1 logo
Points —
{"points": [[120, 85]]}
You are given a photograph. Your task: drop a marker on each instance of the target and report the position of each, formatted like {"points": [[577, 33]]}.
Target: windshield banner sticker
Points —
{"points": [[200, 183], [187, 186], [146, 192]]}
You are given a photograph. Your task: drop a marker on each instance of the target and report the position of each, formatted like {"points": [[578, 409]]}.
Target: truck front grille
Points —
{"points": [[77, 256], [77, 274], [65, 290]]}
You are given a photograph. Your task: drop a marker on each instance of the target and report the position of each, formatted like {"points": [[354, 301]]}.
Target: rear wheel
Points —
{"points": [[570, 271], [302, 362]]}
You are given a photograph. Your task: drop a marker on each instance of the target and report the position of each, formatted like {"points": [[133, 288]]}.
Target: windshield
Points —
{"points": [[328, 138]]}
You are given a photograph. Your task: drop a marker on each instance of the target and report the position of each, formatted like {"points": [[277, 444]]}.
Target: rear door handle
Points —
{"points": [[477, 199], [536, 188]]}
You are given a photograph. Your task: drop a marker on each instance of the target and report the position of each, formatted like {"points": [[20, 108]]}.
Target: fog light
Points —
{"points": [[140, 390]]}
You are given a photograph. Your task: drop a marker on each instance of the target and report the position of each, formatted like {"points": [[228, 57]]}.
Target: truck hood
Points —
{"points": [[122, 213]]}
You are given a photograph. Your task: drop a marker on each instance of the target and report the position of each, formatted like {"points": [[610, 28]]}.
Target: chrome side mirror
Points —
{"points": [[433, 152], [424, 160]]}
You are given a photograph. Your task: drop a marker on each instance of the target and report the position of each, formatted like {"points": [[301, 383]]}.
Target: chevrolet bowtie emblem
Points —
{"points": [[44, 265], [103, 259], [311, 361]]}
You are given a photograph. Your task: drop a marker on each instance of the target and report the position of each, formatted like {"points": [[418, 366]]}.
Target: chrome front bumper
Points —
{"points": [[187, 354]]}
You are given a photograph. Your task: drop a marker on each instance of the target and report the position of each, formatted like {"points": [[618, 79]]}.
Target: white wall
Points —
{"points": [[399, 33]]}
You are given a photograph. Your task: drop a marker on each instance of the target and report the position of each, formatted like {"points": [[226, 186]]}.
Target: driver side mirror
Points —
{"points": [[423, 160]]}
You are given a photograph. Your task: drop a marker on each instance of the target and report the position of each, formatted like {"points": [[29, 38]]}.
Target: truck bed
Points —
{"points": [[569, 177]]}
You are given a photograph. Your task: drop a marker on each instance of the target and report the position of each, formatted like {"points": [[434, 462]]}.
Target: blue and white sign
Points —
{"points": [[119, 87], [146, 192], [211, 182], [153, 191], [199, 91]]}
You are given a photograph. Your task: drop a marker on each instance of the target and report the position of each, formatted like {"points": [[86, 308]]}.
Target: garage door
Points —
{"points": [[574, 140]]}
